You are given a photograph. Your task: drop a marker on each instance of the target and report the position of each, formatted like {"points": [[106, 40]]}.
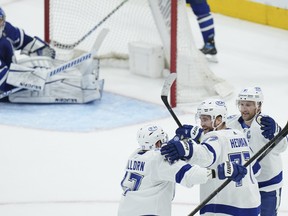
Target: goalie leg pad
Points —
{"points": [[90, 67], [28, 78], [64, 91], [37, 62]]}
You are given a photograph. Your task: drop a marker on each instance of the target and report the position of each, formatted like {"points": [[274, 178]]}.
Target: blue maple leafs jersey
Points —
{"points": [[12, 39]]}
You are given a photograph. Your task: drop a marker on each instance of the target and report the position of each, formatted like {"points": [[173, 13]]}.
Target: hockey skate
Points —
{"points": [[210, 51]]}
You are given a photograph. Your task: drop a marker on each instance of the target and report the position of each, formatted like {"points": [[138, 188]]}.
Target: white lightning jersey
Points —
{"points": [[149, 183], [271, 175], [237, 198]]}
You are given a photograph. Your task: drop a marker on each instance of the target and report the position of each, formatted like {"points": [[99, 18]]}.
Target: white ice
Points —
{"points": [[53, 173]]}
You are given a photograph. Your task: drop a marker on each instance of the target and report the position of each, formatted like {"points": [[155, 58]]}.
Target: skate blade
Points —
{"points": [[211, 58]]}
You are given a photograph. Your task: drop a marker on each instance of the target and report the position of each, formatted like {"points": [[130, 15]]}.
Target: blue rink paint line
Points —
{"points": [[110, 112]]}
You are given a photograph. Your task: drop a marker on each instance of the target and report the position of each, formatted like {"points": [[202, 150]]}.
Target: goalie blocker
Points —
{"points": [[79, 84]]}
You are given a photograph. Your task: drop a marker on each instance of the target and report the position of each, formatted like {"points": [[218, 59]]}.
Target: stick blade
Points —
{"points": [[99, 40], [168, 83]]}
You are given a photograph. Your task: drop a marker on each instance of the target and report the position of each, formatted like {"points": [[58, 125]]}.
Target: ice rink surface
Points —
{"points": [[65, 170]]}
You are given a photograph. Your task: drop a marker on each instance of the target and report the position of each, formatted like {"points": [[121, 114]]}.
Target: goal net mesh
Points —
{"points": [[76, 24]]}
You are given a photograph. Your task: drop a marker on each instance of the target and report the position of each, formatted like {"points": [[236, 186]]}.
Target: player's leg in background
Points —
{"points": [[205, 20]]}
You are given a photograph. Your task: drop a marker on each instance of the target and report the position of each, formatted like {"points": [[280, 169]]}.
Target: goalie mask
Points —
{"points": [[2, 21], [213, 108], [149, 135], [251, 94]]}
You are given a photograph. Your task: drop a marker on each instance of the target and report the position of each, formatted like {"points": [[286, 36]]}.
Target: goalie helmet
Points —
{"points": [[149, 135], [212, 107], [2, 21], [251, 94]]}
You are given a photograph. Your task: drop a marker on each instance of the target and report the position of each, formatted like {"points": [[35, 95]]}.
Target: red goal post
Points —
{"points": [[72, 25]]}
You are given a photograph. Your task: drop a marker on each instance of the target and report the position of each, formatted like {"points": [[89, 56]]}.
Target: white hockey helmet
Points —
{"points": [[251, 94], [212, 107], [2, 21], [149, 135]]}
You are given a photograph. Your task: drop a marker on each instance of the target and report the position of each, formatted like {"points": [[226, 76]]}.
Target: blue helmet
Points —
{"points": [[2, 21], [2, 15]]}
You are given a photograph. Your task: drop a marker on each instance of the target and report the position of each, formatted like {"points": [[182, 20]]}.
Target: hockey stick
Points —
{"points": [[263, 151], [70, 64], [266, 152], [273, 142], [164, 95], [73, 45]]}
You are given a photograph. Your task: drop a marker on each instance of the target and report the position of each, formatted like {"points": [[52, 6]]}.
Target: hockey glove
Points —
{"points": [[176, 149], [231, 170], [47, 51], [38, 47], [269, 127], [189, 131]]}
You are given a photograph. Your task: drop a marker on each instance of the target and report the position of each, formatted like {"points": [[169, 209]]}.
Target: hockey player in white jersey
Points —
{"points": [[259, 129], [149, 181], [77, 85], [217, 145]]}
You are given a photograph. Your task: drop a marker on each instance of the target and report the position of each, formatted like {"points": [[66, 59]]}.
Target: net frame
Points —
{"points": [[195, 81]]}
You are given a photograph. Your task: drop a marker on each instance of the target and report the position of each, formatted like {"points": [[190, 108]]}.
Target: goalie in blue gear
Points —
{"points": [[205, 20], [80, 85], [31, 46]]}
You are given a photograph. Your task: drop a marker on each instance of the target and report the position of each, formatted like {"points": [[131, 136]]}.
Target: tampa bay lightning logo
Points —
{"points": [[258, 89], [220, 103], [152, 128], [248, 133]]}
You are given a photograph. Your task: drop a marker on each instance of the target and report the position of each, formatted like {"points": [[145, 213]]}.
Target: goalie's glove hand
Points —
{"points": [[269, 127], [231, 170], [38, 47], [47, 51], [189, 131], [176, 149]]}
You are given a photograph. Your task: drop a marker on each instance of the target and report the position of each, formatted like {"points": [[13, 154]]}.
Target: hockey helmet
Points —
{"points": [[212, 107], [251, 94], [2, 21], [149, 135]]}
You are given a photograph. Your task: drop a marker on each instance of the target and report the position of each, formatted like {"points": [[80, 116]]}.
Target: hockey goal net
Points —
{"points": [[73, 25]]}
